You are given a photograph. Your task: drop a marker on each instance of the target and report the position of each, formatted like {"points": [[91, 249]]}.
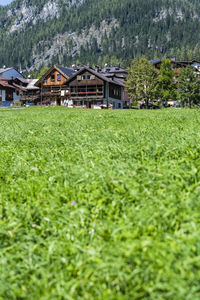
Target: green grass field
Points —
{"points": [[99, 204]]}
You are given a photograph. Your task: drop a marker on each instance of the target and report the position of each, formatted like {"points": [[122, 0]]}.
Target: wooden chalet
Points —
{"points": [[7, 92], [19, 89], [176, 65], [194, 64], [51, 85], [119, 74], [89, 88], [29, 93]]}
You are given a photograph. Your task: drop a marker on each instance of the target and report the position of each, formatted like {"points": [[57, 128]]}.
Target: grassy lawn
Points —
{"points": [[99, 204]]}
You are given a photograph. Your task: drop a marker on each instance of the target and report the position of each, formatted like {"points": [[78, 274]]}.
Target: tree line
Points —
{"points": [[148, 85]]}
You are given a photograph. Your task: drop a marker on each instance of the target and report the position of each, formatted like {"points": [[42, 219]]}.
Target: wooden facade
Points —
{"points": [[86, 90], [91, 89], [81, 87], [51, 85], [6, 90]]}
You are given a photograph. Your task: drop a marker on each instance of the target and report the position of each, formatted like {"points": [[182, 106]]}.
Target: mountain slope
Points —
{"points": [[42, 32]]}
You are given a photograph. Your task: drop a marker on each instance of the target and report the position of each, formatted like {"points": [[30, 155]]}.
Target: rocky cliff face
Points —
{"points": [[36, 33], [70, 43], [28, 14]]}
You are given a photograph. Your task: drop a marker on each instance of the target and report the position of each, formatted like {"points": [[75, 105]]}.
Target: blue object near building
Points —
{"points": [[6, 103], [10, 73]]}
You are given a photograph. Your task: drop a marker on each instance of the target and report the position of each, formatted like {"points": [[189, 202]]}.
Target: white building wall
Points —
{"points": [[3, 95], [16, 97], [116, 103]]}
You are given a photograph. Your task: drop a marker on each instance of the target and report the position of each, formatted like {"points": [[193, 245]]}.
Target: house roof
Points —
{"points": [[180, 63], [2, 70], [98, 74], [19, 87], [5, 84], [155, 61], [24, 80], [67, 71], [31, 84], [112, 69], [190, 62]]}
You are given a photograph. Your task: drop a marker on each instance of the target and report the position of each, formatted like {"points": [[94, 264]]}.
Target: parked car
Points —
{"points": [[150, 106]]}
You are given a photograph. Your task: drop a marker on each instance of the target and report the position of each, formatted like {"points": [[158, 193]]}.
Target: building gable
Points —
{"points": [[55, 76], [85, 77]]}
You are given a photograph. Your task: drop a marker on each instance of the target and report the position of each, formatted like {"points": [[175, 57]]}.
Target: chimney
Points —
{"points": [[97, 68]]}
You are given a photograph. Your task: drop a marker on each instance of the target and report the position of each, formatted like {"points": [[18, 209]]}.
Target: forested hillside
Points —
{"points": [[34, 33]]}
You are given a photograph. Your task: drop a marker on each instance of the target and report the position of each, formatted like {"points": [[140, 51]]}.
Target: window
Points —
{"points": [[83, 77], [88, 77], [58, 77], [52, 77]]}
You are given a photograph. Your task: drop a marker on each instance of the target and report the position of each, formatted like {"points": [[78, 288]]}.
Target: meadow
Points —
{"points": [[99, 204]]}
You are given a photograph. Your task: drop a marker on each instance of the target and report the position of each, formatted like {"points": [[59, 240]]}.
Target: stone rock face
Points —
{"points": [[61, 43], [28, 14]]}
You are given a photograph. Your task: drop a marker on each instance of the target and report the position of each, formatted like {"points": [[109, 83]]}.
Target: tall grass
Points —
{"points": [[99, 204]]}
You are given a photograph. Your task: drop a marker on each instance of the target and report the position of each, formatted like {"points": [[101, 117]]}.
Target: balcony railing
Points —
{"points": [[29, 97], [50, 93], [87, 94]]}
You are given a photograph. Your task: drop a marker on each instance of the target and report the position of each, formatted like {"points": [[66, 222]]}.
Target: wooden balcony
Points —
{"points": [[87, 94], [29, 97], [51, 93]]}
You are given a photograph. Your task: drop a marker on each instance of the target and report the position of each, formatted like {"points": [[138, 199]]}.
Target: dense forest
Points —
{"points": [[34, 33]]}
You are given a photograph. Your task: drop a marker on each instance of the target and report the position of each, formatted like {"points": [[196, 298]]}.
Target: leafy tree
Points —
{"points": [[142, 81], [166, 87], [189, 87], [42, 71]]}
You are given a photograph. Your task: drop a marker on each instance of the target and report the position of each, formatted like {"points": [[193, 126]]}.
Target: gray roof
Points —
{"points": [[67, 71], [31, 84], [100, 75], [112, 69], [2, 70], [24, 80]]}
